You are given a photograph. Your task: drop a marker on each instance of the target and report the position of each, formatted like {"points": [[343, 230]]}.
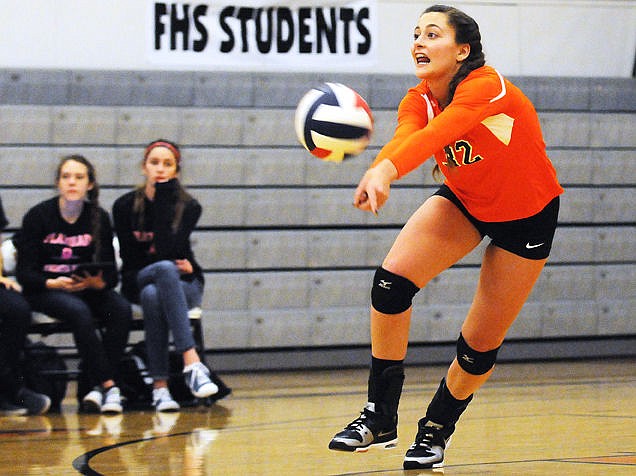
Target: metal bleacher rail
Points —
{"points": [[288, 261]]}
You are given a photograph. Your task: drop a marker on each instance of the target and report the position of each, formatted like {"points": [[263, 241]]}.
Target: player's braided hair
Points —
{"points": [[93, 198], [466, 31]]}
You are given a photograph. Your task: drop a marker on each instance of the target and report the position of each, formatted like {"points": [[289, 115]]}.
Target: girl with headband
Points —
{"points": [[159, 271]]}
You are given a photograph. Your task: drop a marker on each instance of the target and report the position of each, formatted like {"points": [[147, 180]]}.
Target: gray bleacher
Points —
{"points": [[288, 259]]}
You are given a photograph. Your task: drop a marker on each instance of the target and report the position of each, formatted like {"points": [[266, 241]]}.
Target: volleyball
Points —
{"points": [[333, 122]]}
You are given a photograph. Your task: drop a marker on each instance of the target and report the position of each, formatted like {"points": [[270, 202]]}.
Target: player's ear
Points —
{"points": [[463, 52]]}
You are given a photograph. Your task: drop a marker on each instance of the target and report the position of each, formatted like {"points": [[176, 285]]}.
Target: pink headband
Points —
{"points": [[167, 145]]}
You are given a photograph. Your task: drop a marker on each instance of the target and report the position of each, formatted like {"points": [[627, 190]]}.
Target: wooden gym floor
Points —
{"points": [[563, 418]]}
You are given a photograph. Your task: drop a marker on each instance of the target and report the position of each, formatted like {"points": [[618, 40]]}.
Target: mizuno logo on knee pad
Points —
{"points": [[473, 361], [391, 293], [385, 284]]}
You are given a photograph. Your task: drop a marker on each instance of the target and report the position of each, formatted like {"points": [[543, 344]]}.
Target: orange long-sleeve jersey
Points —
{"points": [[487, 143]]}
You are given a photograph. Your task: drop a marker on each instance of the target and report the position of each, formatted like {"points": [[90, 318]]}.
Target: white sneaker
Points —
{"points": [[92, 401], [197, 378], [163, 401], [111, 401]]}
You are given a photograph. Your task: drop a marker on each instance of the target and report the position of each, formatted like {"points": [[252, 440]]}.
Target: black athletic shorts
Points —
{"points": [[527, 237]]}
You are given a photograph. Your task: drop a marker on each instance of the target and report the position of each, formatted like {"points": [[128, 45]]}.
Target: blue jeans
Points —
{"points": [[165, 300], [86, 312]]}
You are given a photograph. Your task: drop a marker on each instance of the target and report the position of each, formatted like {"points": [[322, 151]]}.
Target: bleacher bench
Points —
{"points": [[44, 325]]}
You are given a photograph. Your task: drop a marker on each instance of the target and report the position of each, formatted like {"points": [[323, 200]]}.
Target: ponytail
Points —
{"points": [[466, 31]]}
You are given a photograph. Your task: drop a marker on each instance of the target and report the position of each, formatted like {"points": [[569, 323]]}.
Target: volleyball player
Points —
{"points": [[498, 183]]}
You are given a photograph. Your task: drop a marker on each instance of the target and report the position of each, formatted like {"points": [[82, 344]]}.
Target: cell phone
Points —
{"points": [[93, 268]]}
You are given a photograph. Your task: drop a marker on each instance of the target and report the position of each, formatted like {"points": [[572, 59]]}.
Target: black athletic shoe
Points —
{"points": [[369, 429], [9, 408], [428, 449], [35, 403]]}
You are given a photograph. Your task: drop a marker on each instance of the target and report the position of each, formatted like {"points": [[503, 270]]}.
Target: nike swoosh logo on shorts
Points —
{"points": [[529, 246]]}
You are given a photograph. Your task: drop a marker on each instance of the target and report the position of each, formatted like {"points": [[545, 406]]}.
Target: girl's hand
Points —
{"points": [[90, 281], [66, 283], [10, 284], [184, 266], [375, 186]]}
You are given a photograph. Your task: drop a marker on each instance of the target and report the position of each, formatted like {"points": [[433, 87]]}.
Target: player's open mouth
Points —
{"points": [[422, 59]]}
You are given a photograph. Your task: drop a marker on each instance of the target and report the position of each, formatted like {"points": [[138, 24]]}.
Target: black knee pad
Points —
{"points": [[473, 361], [391, 294]]}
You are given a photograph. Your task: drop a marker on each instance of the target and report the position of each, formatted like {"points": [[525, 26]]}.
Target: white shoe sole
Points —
{"points": [[172, 407], [206, 390], [387, 445], [111, 408]]}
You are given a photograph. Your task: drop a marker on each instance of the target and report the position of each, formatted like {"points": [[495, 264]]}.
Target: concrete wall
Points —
{"points": [[288, 260]]}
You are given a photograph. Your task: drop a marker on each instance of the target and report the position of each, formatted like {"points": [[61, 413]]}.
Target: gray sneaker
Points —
{"points": [[111, 402], [92, 401], [163, 401], [198, 381]]}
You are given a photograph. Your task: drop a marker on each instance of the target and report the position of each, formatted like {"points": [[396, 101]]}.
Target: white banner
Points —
{"points": [[520, 38], [298, 34]]}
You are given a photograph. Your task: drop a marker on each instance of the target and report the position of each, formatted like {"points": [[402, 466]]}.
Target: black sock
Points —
{"points": [[444, 408], [380, 365]]}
